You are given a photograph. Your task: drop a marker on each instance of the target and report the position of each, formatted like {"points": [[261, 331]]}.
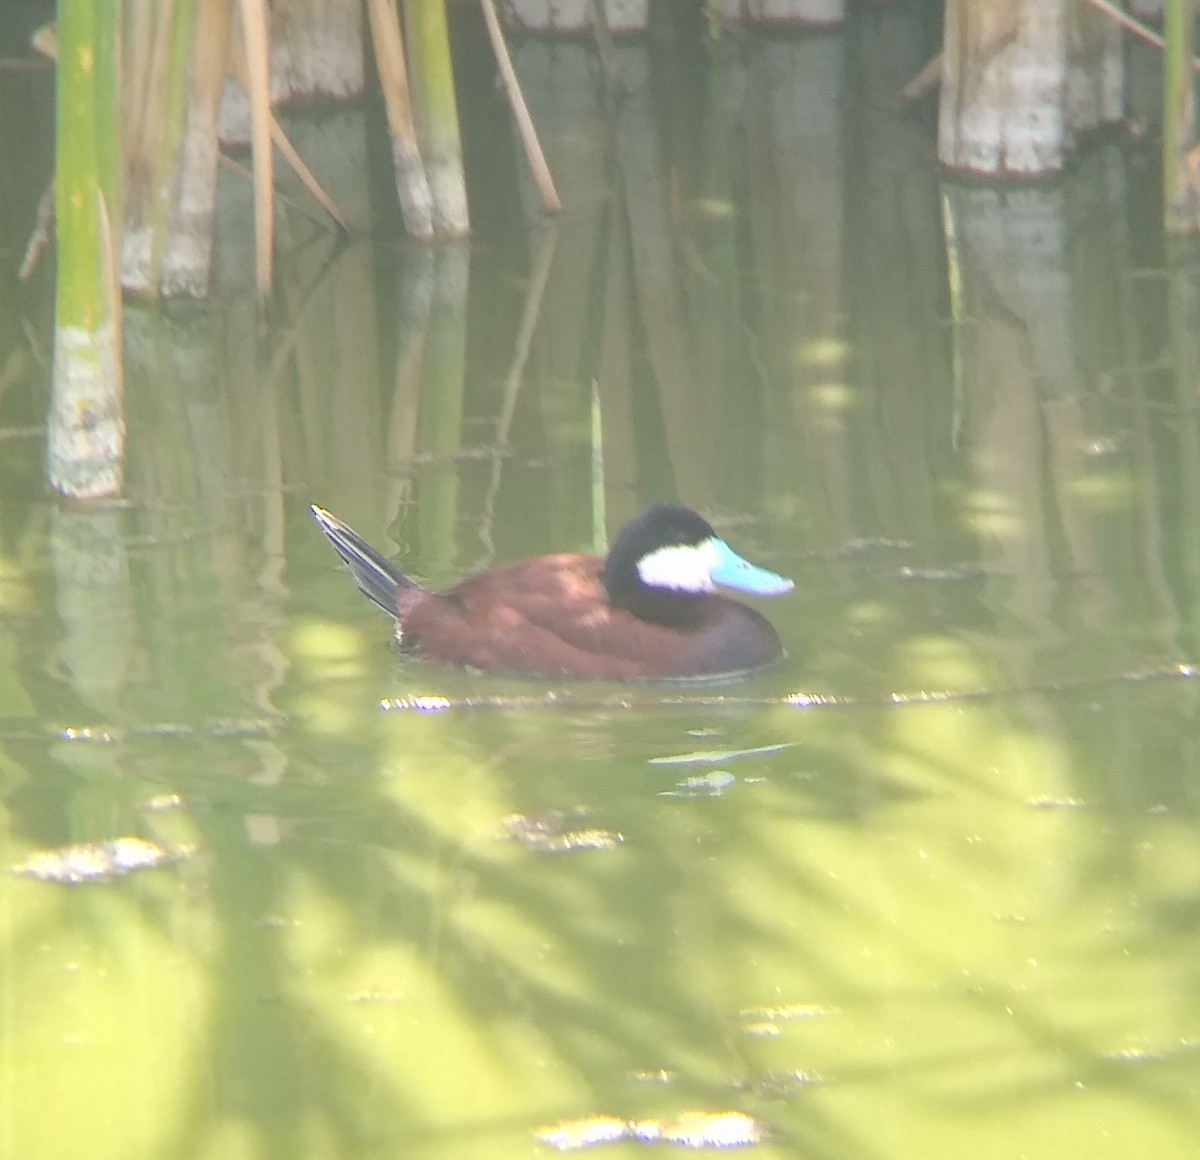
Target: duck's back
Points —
{"points": [[550, 616]]}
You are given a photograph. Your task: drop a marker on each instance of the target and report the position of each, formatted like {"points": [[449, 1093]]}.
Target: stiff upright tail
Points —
{"points": [[376, 576]]}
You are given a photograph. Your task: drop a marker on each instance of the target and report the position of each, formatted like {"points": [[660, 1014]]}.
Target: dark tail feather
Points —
{"points": [[375, 575]]}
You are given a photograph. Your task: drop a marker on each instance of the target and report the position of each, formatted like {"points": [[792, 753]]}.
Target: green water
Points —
{"points": [[907, 929], [929, 888]]}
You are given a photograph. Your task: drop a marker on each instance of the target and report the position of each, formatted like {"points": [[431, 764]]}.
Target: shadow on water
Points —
{"points": [[929, 886]]}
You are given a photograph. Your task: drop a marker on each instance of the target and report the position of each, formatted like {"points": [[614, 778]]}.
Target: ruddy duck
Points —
{"points": [[649, 610]]}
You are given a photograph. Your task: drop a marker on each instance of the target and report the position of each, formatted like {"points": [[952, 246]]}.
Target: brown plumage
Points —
{"points": [[575, 615]]}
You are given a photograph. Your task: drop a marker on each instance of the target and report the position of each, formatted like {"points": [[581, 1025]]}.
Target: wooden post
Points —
{"points": [[1003, 87]]}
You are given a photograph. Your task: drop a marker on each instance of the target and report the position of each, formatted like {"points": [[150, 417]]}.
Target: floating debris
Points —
{"points": [[97, 734], [658, 1075], [1133, 1055], [558, 832], [1136, 1054], [716, 756], [163, 802], [170, 731], [372, 996], [785, 1011], [99, 861], [1051, 802], [861, 544], [689, 1130], [420, 703], [803, 700], [714, 1130], [942, 575], [569, 1135], [763, 1022], [702, 785], [780, 1085], [220, 728], [584, 840]]}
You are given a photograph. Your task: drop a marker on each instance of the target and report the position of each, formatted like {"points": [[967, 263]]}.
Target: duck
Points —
{"points": [[649, 610]]}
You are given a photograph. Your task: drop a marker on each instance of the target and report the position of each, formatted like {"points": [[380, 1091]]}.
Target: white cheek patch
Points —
{"points": [[681, 567]]}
